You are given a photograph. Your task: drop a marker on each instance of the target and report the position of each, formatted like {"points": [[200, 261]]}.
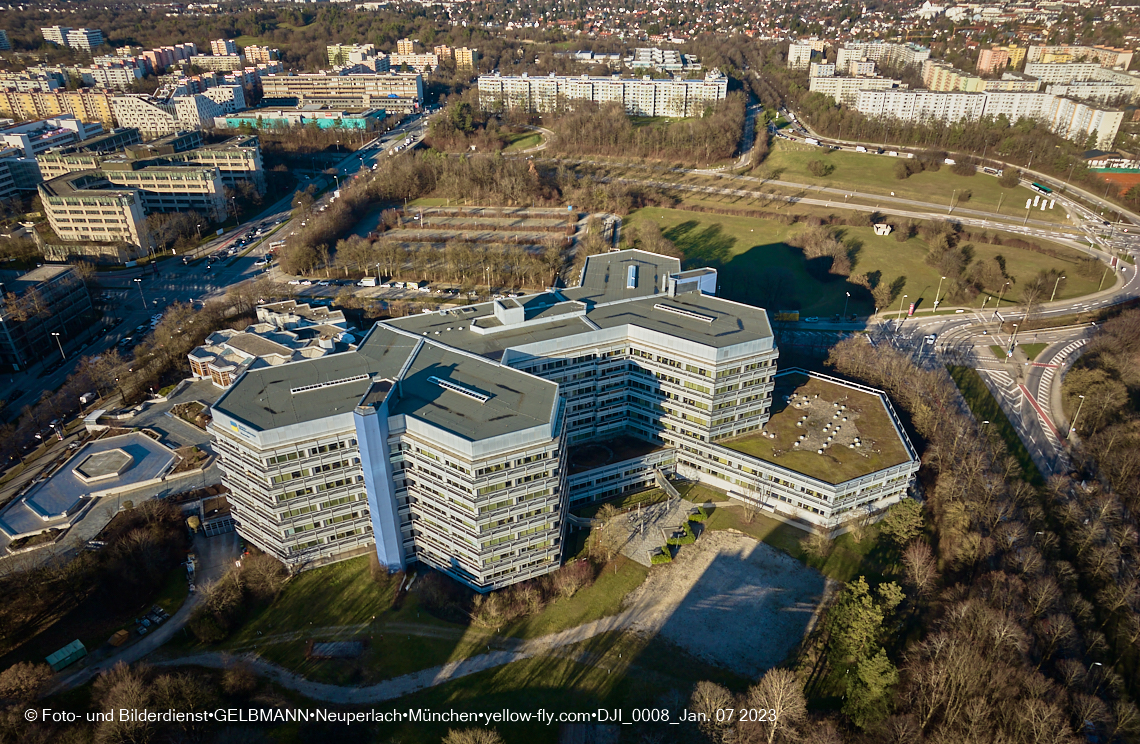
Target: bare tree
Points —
{"points": [[709, 701], [921, 571], [781, 695]]}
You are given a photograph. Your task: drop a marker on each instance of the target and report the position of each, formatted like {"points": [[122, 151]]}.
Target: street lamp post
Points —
{"points": [[138, 283], [1073, 428], [900, 313], [61, 351], [1055, 288], [936, 294], [1012, 342], [952, 195], [997, 306], [845, 305], [1103, 276]]}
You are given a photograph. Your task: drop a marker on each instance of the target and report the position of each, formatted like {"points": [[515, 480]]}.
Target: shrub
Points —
{"points": [[665, 556], [687, 539], [1010, 177], [902, 170], [820, 169], [701, 515], [963, 168]]}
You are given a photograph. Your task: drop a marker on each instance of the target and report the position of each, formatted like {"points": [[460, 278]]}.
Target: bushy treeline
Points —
{"points": [[592, 129], [1108, 375], [1010, 585]]}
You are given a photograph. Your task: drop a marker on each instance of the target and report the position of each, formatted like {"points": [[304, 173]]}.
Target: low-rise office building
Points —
{"points": [[300, 116], [449, 438], [638, 96], [284, 332]]}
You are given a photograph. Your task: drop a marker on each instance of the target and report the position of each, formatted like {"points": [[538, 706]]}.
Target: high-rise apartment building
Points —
{"points": [[466, 59], [846, 89], [47, 299], [801, 55], [85, 38], [638, 96], [263, 55], [882, 53], [56, 34], [408, 46], [443, 438], [223, 47], [5, 43], [992, 60]]}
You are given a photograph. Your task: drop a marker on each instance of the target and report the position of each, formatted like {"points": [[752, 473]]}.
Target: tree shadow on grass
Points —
{"points": [[703, 247]]}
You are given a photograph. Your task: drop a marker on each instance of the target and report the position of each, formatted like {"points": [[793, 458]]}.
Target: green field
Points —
{"points": [[865, 173], [1032, 350], [522, 140], [757, 265]]}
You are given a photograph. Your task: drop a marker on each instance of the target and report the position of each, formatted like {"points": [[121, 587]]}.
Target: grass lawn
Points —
{"points": [[344, 594], [997, 351], [522, 140], [869, 420], [757, 266], [866, 173], [1032, 350], [601, 599], [611, 671], [985, 408], [848, 558]]}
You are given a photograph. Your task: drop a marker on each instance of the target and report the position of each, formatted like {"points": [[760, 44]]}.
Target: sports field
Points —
{"points": [[757, 265]]}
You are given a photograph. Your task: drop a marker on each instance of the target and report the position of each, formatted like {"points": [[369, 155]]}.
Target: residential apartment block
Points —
{"points": [[393, 92], [1071, 119], [998, 58], [35, 137], [466, 59], [638, 96], [423, 62], [5, 43], [882, 53], [155, 117], [345, 54], [223, 47], [801, 55], [408, 46], [85, 38], [1102, 55], [845, 90], [444, 438], [218, 63], [260, 55], [237, 158], [87, 105]]}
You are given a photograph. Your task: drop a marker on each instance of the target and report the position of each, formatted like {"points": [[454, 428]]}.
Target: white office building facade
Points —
{"points": [[443, 438]]}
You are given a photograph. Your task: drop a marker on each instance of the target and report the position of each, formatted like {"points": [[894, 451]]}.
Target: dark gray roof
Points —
{"points": [[297, 392], [516, 400], [729, 322], [604, 276]]}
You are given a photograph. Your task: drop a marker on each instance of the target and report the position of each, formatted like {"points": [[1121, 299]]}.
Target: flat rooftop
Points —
{"points": [[605, 277], [51, 502], [476, 400], [869, 428]]}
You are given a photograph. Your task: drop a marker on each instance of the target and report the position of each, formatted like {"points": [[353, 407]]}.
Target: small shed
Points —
{"points": [[882, 228], [67, 655]]}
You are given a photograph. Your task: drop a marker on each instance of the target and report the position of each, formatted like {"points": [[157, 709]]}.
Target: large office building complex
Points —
{"points": [[638, 96], [448, 438], [46, 300], [399, 93]]}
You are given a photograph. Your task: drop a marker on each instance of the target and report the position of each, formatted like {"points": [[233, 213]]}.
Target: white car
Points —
{"points": [[261, 262], [306, 283], [294, 281]]}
